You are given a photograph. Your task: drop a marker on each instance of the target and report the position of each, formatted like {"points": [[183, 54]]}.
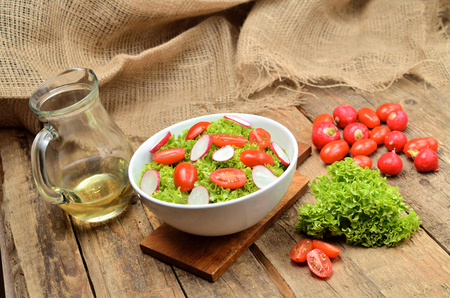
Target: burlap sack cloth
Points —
{"points": [[162, 61]]}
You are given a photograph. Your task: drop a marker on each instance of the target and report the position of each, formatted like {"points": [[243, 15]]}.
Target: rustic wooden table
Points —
{"points": [[47, 254]]}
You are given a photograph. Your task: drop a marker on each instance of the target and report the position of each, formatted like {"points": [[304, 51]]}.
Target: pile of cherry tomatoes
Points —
{"points": [[363, 133]]}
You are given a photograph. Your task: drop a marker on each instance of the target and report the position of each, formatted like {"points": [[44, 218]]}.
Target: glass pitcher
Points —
{"points": [[80, 158]]}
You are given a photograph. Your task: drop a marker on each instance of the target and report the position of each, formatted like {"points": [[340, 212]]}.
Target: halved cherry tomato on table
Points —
{"points": [[379, 133], [222, 140], [363, 147], [368, 117], [322, 118], [169, 156], [334, 151], [363, 161], [254, 157], [196, 129], [184, 176], [300, 250], [319, 263], [329, 249], [259, 137], [228, 178], [384, 110], [413, 147]]}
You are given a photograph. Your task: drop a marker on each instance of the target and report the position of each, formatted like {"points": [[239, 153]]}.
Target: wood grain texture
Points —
{"points": [[44, 256], [209, 257]]}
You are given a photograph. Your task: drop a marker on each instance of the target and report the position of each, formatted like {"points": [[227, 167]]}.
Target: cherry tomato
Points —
{"points": [[300, 250], [344, 115], [354, 132], [334, 151], [260, 137], [368, 117], [363, 161], [329, 249], [325, 133], [196, 129], [228, 178], [379, 133], [169, 156], [390, 164], [363, 147], [323, 118], [253, 157], [396, 140], [319, 263], [226, 139], [412, 147], [384, 110], [184, 176], [397, 120]]}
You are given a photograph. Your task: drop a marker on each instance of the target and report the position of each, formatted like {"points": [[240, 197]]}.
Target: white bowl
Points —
{"points": [[218, 219]]}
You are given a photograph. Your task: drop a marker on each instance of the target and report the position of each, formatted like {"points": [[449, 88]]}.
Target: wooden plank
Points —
{"points": [[358, 271], [209, 257], [42, 249], [115, 263]]}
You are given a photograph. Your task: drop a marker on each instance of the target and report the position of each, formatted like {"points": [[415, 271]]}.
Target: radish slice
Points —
{"points": [[198, 196], [223, 154], [237, 120], [150, 182], [161, 142], [201, 147], [279, 152], [262, 176]]}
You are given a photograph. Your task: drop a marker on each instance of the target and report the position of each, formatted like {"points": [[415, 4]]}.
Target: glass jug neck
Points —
{"points": [[69, 93]]}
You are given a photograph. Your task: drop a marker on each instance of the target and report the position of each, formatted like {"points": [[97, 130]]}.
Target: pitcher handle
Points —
{"points": [[38, 150]]}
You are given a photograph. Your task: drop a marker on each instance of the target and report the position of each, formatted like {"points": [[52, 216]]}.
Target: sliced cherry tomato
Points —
{"points": [[384, 110], [229, 178], [363, 147], [329, 249], [254, 157], [368, 117], [334, 151], [196, 129], [226, 139], [323, 118], [379, 133], [184, 176], [169, 156], [300, 250], [363, 161], [319, 263], [260, 137], [413, 147]]}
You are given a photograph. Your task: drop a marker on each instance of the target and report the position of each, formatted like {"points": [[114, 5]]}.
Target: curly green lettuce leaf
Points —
{"points": [[358, 204], [206, 165]]}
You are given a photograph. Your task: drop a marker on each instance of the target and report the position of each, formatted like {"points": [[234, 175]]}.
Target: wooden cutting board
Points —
{"points": [[209, 257]]}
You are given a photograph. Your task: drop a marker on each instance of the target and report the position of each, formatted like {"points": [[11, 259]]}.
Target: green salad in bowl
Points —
{"points": [[212, 162], [217, 174]]}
